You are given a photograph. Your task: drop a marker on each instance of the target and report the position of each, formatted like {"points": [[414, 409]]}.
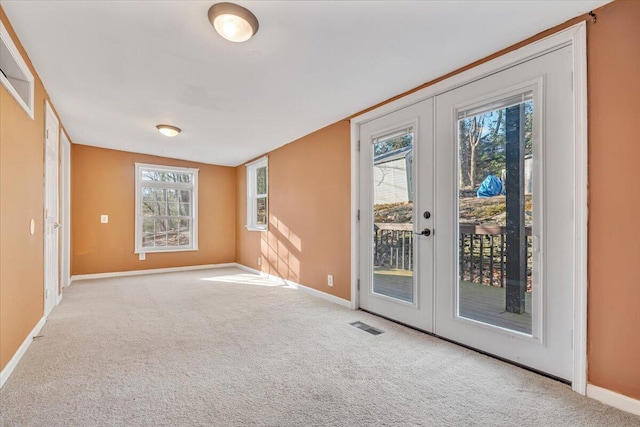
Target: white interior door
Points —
{"points": [[51, 222], [505, 263], [396, 193]]}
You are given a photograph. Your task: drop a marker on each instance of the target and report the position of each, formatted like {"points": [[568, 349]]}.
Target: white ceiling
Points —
{"points": [[115, 69]]}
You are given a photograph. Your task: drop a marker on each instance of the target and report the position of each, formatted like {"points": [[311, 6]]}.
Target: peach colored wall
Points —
{"points": [[21, 198], [614, 204], [309, 219], [103, 182]]}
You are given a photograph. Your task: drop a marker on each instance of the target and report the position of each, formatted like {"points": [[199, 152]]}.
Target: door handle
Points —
{"points": [[426, 232], [56, 225]]}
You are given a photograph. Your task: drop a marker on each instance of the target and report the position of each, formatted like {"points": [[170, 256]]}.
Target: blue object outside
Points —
{"points": [[491, 187]]}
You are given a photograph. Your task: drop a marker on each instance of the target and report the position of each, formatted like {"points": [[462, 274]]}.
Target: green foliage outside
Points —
{"points": [[386, 145], [482, 147]]}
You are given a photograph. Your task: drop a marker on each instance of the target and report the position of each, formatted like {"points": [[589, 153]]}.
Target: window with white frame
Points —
{"points": [[257, 194], [166, 208]]}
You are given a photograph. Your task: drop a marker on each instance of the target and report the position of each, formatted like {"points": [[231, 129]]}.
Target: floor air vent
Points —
{"points": [[366, 328]]}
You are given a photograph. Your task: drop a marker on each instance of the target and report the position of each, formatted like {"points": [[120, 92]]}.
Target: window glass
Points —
{"points": [[257, 195], [165, 212]]}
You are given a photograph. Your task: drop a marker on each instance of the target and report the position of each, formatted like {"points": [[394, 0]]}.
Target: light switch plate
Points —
{"points": [[104, 219]]}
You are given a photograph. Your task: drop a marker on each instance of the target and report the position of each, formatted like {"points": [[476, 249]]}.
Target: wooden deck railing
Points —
{"points": [[482, 251], [482, 254], [393, 246]]}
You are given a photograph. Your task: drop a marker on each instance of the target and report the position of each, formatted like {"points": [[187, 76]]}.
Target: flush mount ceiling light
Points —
{"points": [[233, 22], [168, 130]]}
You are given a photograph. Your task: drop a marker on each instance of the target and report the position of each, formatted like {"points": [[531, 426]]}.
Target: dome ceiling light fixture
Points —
{"points": [[233, 22], [168, 130]]}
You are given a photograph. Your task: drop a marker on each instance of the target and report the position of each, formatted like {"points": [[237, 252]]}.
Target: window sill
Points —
{"points": [[159, 251], [254, 228]]}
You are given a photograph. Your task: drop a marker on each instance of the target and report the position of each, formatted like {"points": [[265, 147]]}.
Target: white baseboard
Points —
{"points": [[614, 399], [149, 271], [250, 270], [59, 299], [334, 299], [6, 372]]}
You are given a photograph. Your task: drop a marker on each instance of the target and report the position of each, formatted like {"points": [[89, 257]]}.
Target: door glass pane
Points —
{"points": [[393, 248], [495, 214]]}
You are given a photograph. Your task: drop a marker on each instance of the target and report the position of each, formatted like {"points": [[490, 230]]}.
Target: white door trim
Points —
{"points": [[580, 209], [575, 36], [355, 217], [65, 159]]}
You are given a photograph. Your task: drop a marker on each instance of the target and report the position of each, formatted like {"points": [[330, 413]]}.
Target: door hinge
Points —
{"points": [[358, 215], [358, 284], [358, 146], [47, 134]]}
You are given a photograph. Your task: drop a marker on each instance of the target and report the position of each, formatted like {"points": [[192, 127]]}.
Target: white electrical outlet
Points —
{"points": [[142, 256], [259, 260], [104, 219], [330, 280]]}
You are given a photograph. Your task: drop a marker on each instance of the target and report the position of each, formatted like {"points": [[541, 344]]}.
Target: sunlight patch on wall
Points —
{"points": [[279, 247], [291, 237]]}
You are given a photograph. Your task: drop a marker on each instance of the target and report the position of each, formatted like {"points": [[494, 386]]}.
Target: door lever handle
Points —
{"points": [[426, 232]]}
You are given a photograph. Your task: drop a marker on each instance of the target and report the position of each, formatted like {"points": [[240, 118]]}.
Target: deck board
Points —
{"points": [[477, 302]]}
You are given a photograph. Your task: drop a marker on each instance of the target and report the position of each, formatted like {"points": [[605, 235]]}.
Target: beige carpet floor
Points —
{"points": [[227, 348]]}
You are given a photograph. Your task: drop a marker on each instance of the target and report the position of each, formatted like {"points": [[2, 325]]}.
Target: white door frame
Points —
{"points": [[65, 207], [50, 115], [575, 36]]}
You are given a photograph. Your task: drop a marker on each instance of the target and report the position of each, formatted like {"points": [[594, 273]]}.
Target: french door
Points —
{"points": [[486, 170], [396, 176], [520, 308]]}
